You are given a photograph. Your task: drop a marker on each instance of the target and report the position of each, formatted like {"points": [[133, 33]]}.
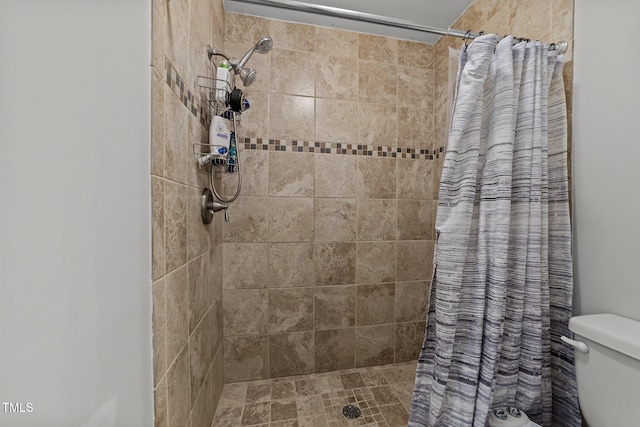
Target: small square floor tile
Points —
{"points": [[255, 413]]}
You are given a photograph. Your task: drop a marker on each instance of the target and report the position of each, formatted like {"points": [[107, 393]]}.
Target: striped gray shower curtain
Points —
{"points": [[501, 292]]}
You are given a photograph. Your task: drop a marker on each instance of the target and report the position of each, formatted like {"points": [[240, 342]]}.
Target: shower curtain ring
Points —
{"points": [[467, 36]]}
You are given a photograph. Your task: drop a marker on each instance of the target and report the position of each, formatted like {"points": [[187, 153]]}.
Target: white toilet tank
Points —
{"points": [[608, 374]]}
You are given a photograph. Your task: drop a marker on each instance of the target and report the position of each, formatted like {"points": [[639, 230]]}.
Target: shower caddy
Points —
{"points": [[208, 156], [224, 100]]}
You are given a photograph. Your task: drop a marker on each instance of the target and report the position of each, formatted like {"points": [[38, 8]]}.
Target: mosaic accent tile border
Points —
{"points": [[179, 87], [337, 148], [200, 110]]}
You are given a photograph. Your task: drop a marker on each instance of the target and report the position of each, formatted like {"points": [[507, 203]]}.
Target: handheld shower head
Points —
{"points": [[264, 45]]}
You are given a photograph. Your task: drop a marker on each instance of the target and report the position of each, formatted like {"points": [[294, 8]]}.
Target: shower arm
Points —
{"points": [[211, 52], [245, 58], [236, 65]]}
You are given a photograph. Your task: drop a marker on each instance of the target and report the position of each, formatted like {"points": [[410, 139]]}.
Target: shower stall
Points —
{"points": [[313, 295]]}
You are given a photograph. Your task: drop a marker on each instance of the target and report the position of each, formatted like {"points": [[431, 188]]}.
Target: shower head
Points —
{"points": [[264, 45], [248, 76]]}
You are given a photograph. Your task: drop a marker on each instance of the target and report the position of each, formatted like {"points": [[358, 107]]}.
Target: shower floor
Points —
{"points": [[382, 393]]}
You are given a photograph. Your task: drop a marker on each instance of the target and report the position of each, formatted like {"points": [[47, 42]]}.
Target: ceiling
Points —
{"points": [[433, 13]]}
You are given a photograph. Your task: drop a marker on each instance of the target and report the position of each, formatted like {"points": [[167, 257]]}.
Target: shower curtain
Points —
{"points": [[501, 290]]}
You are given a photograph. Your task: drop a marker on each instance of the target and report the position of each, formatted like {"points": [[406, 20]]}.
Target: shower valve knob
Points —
{"points": [[208, 207]]}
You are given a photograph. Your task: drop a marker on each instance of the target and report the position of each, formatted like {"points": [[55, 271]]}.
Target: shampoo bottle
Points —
{"points": [[223, 82]]}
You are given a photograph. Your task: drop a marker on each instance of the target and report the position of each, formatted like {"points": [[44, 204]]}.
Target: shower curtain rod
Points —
{"points": [[337, 12]]}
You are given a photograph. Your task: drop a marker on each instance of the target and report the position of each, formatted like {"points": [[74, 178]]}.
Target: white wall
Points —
{"points": [[75, 311], [606, 148]]}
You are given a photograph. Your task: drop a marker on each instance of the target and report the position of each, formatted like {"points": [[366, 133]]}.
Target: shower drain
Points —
{"points": [[351, 412]]}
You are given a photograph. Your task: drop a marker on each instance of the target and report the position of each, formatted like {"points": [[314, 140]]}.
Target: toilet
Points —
{"points": [[607, 358]]}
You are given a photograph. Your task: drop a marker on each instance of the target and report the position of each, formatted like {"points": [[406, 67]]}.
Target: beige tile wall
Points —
{"points": [[187, 255], [327, 257]]}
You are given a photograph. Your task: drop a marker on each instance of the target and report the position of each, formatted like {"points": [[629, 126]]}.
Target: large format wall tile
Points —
{"points": [[377, 124], [255, 175], [334, 307], [335, 263], [157, 120], [291, 265], [245, 265], [411, 301], [175, 144], [415, 88], [197, 231], [215, 318], [245, 312], [414, 179], [291, 117], [200, 357], [246, 358], [247, 220], [245, 28], [290, 310], [290, 219], [409, 338], [376, 178], [335, 120], [159, 330], [335, 176], [531, 18], [160, 404], [378, 48], [562, 20], [175, 225], [158, 229], [177, 315], [415, 220], [255, 121], [292, 72], [200, 28], [376, 219], [178, 390], [291, 174], [293, 36], [335, 78], [335, 349], [378, 82], [415, 260], [375, 262], [375, 304], [291, 354], [415, 54], [199, 291], [334, 220], [337, 42], [177, 34], [374, 345], [411, 129]]}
